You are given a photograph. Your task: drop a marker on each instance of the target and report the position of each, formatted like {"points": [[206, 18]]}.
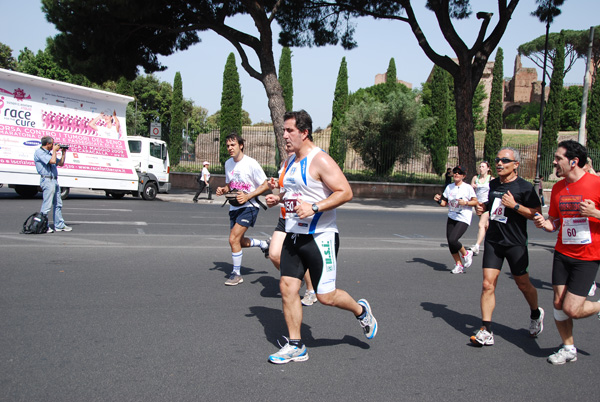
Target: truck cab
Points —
{"points": [[151, 160]]}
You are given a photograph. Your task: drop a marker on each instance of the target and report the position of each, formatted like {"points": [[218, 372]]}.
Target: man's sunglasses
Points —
{"points": [[504, 160]]}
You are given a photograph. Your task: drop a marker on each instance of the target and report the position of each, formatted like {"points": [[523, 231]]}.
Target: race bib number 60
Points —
{"points": [[576, 231]]}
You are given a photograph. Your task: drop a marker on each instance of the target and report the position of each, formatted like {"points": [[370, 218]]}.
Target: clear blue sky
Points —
{"points": [[22, 24]]}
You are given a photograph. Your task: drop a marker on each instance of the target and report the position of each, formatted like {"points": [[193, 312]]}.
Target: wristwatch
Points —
{"points": [[315, 208], [516, 208]]}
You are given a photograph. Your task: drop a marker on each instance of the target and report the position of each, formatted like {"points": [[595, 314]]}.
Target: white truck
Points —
{"points": [[91, 123]]}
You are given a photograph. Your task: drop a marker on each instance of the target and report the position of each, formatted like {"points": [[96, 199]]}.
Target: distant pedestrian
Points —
{"points": [[448, 177], [203, 182], [460, 199]]}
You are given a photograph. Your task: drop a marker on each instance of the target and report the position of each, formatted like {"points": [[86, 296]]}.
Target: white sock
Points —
{"points": [[570, 348], [258, 243], [237, 262]]}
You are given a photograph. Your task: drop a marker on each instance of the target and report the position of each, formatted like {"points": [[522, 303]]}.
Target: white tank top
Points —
{"points": [[299, 185], [483, 189]]}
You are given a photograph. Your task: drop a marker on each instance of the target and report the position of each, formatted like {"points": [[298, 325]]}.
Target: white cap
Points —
{"points": [[205, 163]]}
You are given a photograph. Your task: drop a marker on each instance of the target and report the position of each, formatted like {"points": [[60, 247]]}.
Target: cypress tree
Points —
{"points": [[285, 78], [231, 105], [437, 135], [593, 117], [176, 141], [390, 77], [493, 129], [552, 112], [337, 145]]}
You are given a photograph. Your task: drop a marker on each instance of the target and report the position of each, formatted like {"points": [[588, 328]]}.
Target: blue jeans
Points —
{"points": [[52, 200]]}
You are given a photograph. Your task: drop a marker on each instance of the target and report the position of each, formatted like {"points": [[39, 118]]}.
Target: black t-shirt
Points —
{"points": [[514, 231]]}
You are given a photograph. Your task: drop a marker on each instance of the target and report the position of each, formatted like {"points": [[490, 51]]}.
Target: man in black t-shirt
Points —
{"points": [[512, 201]]}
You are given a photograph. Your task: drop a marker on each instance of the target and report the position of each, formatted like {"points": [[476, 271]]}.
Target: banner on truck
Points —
{"points": [[30, 110]]}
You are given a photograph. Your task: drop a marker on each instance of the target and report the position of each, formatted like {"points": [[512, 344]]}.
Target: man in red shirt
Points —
{"points": [[574, 213]]}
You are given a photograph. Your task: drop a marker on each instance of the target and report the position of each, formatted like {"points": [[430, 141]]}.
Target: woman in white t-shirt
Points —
{"points": [[481, 184], [460, 199]]}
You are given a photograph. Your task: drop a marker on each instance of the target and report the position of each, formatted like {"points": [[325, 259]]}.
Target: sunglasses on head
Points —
{"points": [[504, 160]]}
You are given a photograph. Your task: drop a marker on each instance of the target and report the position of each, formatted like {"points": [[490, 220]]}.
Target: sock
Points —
{"points": [[296, 342], [487, 325], [258, 243], [535, 314], [237, 262], [570, 348], [363, 314]]}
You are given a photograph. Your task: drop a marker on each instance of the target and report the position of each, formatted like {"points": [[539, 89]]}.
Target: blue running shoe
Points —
{"points": [[369, 323], [289, 353]]}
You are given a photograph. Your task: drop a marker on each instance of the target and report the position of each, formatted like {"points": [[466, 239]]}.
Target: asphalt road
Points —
{"points": [[131, 306]]}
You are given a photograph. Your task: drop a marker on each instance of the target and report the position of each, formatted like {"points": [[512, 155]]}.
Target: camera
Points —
{"points": [[63, 146]]}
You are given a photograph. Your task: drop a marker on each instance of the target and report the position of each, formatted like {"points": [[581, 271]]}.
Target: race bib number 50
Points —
{"points": [[290, 205]]}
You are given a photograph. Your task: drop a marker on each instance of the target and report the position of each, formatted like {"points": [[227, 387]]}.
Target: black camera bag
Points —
{"points": [[36, 223]]}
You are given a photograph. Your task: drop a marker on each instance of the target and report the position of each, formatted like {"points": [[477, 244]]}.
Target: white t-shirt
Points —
{"points": [[205, 174], [245, 175], [460, 213]]}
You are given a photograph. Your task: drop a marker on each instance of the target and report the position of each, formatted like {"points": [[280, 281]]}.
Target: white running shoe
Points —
{"points": [[537, 326], [483, 338], [458, 269], [467, 259], [289, 353], [475, 249], [562, 356], [309, 298]]}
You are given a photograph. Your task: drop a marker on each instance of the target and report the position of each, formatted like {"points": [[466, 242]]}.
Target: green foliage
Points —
{"points": [[230, 119], [493, 135], [553, 109], [154, 99], [44, 65], [175, 137], [436, 137], [478, 98], [593, 116], [379, 131], [337, 146], [285, 78], [527, 118], [7, 60], [391, 77], [570, 114]]}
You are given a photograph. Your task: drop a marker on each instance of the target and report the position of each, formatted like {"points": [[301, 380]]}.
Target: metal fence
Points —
{"points": [[260, 145]]}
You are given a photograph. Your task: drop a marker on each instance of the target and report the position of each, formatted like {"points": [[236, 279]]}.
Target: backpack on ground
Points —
{"points": [[36, 223]]}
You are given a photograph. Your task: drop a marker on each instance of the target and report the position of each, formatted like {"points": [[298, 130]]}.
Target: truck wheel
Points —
{"points": [[26, 191], [64, 192], [150, 191]]}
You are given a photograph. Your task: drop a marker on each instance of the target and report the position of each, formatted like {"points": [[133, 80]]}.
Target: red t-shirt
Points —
{"points": [[564, 203]]}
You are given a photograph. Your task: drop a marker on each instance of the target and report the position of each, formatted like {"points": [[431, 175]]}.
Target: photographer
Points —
{"points": [[46, 162]]}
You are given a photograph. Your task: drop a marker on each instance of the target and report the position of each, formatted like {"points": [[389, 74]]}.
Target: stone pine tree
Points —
{"points": [[436, 138], [593, 121], [337, 145], [285, 78], [231, 105], [552, 112], [175, 139], [391, 78], [493, 128]]}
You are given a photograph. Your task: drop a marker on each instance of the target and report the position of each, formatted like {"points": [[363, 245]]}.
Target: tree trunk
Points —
{"points": [[276, 107], [463, 97]]}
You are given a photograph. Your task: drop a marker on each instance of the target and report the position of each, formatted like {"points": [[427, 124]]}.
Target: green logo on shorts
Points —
{"points": [[326, 247]]}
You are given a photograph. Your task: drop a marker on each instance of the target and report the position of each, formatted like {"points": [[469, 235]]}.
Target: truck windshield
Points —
{"points": [[135, 147]]}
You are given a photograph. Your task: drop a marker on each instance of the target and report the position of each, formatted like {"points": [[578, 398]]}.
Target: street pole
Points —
{"points": [[587, 79], [538, 180]]}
